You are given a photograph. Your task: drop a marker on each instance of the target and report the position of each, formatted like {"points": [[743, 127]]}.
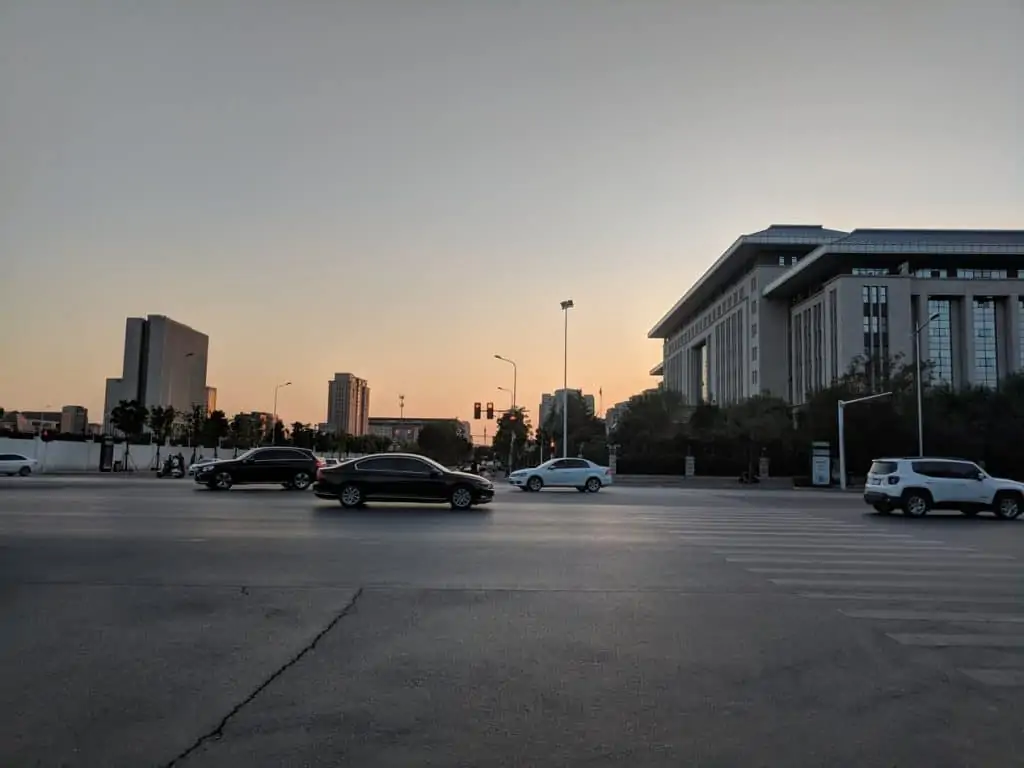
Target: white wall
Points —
{"points": [[59, 456]]}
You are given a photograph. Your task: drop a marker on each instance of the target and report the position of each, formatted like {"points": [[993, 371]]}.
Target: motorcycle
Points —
{"points": [[173, 467]]}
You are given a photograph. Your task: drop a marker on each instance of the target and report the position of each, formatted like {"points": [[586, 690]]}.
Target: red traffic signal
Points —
{"points": [[476, 410], [47, 436], [511, 415], [490, 410]]}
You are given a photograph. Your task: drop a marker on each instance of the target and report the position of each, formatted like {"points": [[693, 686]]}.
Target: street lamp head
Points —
{"points": [[935, 316], [567, 304], [190, 354]]}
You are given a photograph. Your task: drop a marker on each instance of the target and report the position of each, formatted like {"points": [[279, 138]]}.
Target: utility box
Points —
{"points": [[107, 454], [821, 464]]}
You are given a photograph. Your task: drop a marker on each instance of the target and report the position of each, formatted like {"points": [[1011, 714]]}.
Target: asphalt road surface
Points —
{"points": [[149, 622]]}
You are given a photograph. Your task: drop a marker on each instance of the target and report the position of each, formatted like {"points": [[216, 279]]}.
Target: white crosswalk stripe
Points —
{"points": [[916, 589]]}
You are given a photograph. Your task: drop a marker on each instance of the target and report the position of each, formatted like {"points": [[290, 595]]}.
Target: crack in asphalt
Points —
{"points": [[218, 730]]}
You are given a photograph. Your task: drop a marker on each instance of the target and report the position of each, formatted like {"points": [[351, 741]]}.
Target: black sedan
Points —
{"points": [[401, 477], [292, 468]]}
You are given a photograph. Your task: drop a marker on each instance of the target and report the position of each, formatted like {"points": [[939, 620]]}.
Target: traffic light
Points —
{"points": [[47, 436], [490, 410], [476, 410], [511, 415]]}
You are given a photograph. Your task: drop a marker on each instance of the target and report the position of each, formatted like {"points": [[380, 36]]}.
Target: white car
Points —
{"points": [[16, 464], [580, 474], [918, 485]]}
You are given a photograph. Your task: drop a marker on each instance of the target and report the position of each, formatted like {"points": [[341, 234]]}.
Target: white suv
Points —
{"points": [[918, 485]]}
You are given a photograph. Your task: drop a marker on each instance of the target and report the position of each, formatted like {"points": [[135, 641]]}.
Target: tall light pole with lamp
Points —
{"points": [[841, 415], [515, 375], [566, 306], [917, 380], [273, 425], [512, 398]]}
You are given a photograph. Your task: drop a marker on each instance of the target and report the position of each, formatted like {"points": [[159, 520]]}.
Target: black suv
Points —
{"points": [[292, 468]]}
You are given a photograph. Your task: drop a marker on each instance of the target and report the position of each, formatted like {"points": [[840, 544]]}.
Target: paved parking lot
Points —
{"points": [[153, 623]]}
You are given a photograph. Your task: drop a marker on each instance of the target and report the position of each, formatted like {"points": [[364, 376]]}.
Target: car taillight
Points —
{"points": [[608, 471], [893, 479], [320, 473]]}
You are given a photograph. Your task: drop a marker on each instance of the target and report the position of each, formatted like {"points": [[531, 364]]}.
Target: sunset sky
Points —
{"points": [[403, 189]]}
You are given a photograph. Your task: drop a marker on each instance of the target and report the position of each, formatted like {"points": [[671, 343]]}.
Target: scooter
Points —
{"points": [[172, 468]]}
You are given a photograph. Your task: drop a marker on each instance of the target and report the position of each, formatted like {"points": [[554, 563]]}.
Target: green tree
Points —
{"points": [[161, 422], [277, 435], [512, 436], [215, 429], [444, 442], [302, 435], [129, 417], [584, 427], [240, 431]]}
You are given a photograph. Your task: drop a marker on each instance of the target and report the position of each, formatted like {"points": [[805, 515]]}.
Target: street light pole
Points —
{"points": [[917, 380], [841, 408], [566, 306], [273, 425], [515, 375], [512, 398]]}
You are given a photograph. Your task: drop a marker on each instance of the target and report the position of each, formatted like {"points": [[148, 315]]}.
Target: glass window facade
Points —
{"points": [[871, 271], [833, 315], [986, 358], [940, 340], [875, 300], [798, 359], [982, 274], [1020, 331], [819, 349]]}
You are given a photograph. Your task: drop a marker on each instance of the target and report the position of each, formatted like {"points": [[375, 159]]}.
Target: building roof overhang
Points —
{"points": [[729, 266], [896, 245], [658, 370]]}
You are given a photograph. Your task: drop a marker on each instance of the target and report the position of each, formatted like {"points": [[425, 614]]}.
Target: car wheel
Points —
{"points": [[300, 482], [534, 484], [25, 471], [222, 481], [462, 497], [916, 503], [351, 496], [883, 509], [1008, 506], [593, 485]]}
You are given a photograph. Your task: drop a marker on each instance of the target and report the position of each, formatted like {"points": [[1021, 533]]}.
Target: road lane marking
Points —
{"points": [[887, 558], [888, 597], [729, 548], [897, 615], [884, 583], [928, 640], [868, 571], [1002, 678]]}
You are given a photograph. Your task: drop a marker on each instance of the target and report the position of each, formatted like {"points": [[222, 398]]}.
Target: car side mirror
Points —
{"points": [[435, 473], [249, 460], [980, 476]]}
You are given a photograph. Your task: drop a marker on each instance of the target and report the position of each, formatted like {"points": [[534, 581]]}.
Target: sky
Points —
{"points": [[402, 190]]}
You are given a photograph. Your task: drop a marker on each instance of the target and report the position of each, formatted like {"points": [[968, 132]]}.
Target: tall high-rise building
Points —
{"points": [[164, 365], [211, 399], [348, 404], [552, 403]]}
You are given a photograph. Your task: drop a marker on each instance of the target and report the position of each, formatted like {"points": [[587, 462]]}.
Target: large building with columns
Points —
{"points": [[787, 309]]}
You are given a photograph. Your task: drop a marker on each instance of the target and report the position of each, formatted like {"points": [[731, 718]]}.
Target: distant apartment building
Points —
{"points": [[787, 309], [406, 430], [552, 403], [211, 399], [74, 420], [164, 365], [348, 404]]}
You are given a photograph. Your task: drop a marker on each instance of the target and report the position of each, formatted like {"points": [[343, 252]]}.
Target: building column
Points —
{"points": [[1013, 315]]}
